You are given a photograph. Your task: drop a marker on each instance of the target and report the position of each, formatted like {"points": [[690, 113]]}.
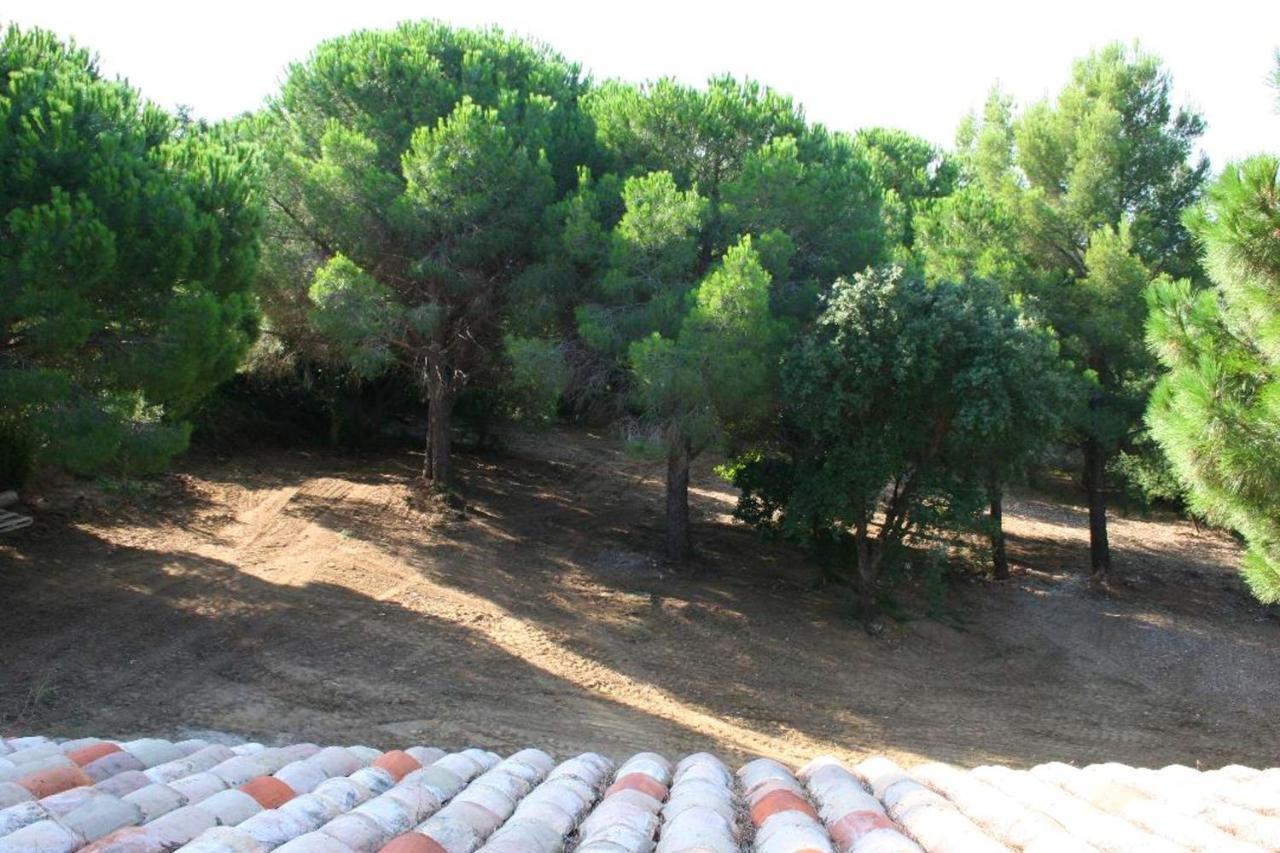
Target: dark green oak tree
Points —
{"points": [[894, 404]]}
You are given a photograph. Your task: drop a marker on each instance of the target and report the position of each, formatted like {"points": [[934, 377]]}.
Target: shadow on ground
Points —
{"points": [[298, 596]]}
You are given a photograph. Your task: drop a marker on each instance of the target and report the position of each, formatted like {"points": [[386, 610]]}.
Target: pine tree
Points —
{"points": [[712, 378], [692, 173], [1216, 413], [128, 243], [1074, 207], [409, 171]]}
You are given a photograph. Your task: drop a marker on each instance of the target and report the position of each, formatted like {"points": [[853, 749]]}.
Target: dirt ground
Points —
{"points": [[297, 596]]}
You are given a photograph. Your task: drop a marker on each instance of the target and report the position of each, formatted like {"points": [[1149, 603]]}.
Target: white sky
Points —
{"points": [[915, 65]]}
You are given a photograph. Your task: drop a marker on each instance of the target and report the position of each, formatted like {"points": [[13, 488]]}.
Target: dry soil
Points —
{"points": [[302, 596]]}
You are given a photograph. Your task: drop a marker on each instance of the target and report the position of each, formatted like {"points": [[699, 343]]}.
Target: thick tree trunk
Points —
{"points": [[679, 546], [999, 558], [437, 465], [1095, 484]]}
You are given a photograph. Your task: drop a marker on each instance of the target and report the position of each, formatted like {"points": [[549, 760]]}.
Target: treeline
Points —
{"points": [[878, 335]]}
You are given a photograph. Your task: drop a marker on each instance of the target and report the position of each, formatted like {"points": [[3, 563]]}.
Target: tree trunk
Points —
{"points": [[437, 464], [679, 546], [1094, 484], [999, 558], [867, 567], [335, 427]]}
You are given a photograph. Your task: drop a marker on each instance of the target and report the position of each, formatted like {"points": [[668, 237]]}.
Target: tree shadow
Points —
{"points": [[584, 638], [166, 642]]}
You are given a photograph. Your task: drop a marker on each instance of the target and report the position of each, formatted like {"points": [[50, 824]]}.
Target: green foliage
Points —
{"points": [[358, 314], [900, 407], [655, 244], [1145, 475], [121, 434], [410, 173], [761, 167], [913, 168], [819, 191], [911, 173], [538, 378], [700, 168], [1105, 173], [462, 211], [715, 376], [384, 85], [1073, 208], [651, 261], [977, 231], [472, 192], [701, 136], [128, 252], [972, 234], [1216, 413], [1080, 199]]}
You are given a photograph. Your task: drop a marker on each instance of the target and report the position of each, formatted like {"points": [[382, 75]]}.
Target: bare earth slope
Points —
{"points": [[295, 596]]}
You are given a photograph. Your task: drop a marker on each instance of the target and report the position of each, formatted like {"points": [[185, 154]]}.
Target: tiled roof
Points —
{"points": [[149, 795]]}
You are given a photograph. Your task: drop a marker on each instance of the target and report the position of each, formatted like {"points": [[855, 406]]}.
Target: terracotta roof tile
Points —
{"points": [[54, 780], [225, 839], [155, 796], [180, 826], [69, 800], [398, 763], [123, 783], [112, 764], [155, 800], [46, 836], [16, 743], [270, 792], [413, 842], [198, 786], [100, 815], [426, 754], [33, 752], [153, 751], [202, 759], [23, 814], [14, 772], [302, 776], [91, 752], [11, 793]]}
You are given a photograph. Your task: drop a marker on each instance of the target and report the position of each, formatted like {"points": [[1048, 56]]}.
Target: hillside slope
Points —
{"points": [[291, 596]]}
